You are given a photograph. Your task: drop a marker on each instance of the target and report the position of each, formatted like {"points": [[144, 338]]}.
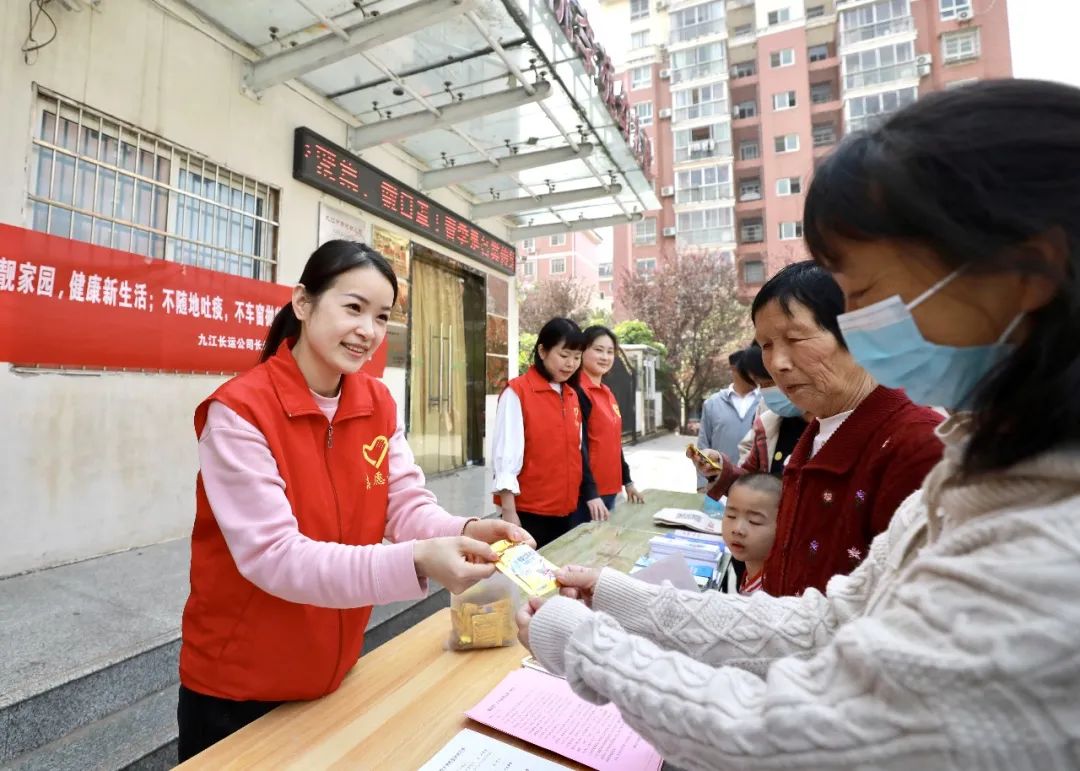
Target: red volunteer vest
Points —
{"points": [[550, 478], [239, 642], [605, 438]]}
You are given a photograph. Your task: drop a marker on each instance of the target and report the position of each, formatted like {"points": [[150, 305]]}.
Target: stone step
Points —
{"points": [[141, 736]]}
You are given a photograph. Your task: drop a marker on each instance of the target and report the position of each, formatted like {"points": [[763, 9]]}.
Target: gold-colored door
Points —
{"points": [[438, 412]]}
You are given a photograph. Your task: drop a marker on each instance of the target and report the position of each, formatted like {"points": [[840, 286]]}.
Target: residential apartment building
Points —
{"points": [[584, 256], [746, 96]]}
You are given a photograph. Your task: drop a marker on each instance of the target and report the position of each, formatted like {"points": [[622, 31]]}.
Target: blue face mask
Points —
{"points": [[885, 341], [776, 401]]}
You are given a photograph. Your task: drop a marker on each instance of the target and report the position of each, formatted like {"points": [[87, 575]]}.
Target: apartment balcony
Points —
{"points": [[876, 33], [741, 119], [750, 203], [695, 32], [882, 77], [699, 71], [834, 104], [747, 164], [739, 78], [831, 62], [734, 5]]}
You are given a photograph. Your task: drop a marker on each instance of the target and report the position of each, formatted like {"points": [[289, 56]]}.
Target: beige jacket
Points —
{"points": [[954, 645]]}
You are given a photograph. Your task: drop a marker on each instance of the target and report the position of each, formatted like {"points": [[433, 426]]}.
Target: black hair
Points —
{"points": [[323, 267], [753, 363], [736, 361], [555, 331], [974, 174], [595, 332], [761, 482], [807, 284]]}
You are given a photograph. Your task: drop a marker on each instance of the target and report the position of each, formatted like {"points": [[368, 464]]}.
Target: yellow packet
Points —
{"points": [[526, 567]]}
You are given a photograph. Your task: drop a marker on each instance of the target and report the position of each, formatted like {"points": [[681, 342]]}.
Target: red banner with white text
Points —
{"points": [[70, 303]]}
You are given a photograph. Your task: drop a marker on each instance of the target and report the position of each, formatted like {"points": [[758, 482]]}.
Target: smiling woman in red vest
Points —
{"points": [[537, 451], [607, 471], [304, 470]]}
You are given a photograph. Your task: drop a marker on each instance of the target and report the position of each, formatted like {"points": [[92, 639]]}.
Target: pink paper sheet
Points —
{"points": [[542, 710]]}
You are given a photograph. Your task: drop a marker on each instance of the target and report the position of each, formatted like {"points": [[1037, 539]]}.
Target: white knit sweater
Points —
{"points": [[955, 645]]}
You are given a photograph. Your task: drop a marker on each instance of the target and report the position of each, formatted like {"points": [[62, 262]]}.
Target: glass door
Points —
{"points": [[438, 405]]}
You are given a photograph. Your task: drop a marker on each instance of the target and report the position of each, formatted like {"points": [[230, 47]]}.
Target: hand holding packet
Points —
{"points": [[523, 565]]}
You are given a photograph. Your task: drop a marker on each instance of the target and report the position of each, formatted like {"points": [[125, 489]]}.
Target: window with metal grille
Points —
{"points": [[817, 53], [752, 231], [558, 264], [824, 134], [743, 70], [645, 231], [815, 11], [749, 151], [753, 272], [104, 181], [750, 189], [959, 46], [821, 93], [952, 9]]}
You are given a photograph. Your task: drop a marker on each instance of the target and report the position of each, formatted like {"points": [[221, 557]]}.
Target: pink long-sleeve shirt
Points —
{"points": [[247, 495]]}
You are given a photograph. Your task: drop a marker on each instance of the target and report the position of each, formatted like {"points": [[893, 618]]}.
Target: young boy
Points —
{"points": [[750, 524]]}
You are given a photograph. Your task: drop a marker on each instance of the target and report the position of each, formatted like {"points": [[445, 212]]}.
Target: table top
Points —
{"points": [[405, 700]]}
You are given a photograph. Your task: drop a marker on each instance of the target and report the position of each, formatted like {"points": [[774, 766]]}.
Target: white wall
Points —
{"points": [[92, 464]]}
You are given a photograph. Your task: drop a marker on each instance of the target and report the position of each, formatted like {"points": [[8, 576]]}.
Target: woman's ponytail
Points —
{"points": [[284, 326]]}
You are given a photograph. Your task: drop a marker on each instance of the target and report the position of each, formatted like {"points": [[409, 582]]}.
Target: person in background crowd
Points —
{"points": [[727, 415], [304, 469], [953, 230], [868, 449], [538, 451], [607, 472], [778, 426]]}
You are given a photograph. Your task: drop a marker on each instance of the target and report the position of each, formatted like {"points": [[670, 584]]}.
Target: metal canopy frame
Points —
{"points": [[446, 80]]}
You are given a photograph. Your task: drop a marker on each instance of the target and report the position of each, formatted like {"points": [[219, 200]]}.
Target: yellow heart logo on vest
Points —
{"points": [[375, 453]]}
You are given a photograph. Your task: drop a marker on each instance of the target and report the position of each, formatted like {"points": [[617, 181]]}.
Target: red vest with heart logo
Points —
{"points": [[550, 476], [605, 438], [239, 642]]}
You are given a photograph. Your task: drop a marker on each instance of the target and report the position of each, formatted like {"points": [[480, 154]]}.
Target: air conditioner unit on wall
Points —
{"points": [[661, 5], [963, 15], [669, 232], [667, 191], [665, 74], [665, 113]]}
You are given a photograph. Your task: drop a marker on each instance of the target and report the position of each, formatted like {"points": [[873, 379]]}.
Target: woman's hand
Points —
{"points": [[524, 619], [598, 511], [633, 496], [705, 469], [457, 563], [577, 582], [492, 530], [509, 508]]}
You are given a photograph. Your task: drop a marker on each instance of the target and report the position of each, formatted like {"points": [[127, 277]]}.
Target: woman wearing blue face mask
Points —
{"points": [[954, 644], [778, 426]]}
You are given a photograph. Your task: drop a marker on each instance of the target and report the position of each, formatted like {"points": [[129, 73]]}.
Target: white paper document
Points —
{"points": [[473, 751]]}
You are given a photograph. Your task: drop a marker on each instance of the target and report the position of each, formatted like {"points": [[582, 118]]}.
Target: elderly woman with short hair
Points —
{"points": [[869, 448]]}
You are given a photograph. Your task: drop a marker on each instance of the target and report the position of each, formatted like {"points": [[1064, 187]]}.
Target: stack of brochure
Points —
{"points": [[703, 552]]}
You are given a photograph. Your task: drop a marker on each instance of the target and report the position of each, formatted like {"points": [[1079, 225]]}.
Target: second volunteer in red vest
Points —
{"points": [[537, 450], [304, 469], [607, 471]]}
